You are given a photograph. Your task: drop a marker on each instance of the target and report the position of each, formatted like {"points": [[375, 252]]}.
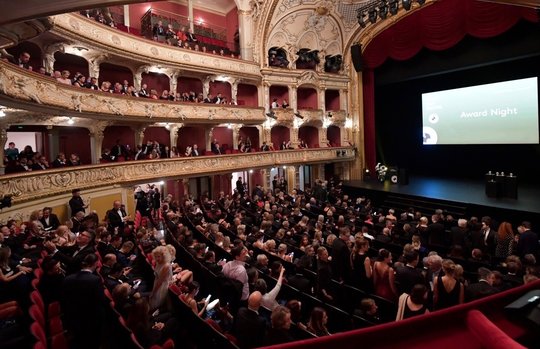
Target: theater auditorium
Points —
{"points": [[279, 174]]}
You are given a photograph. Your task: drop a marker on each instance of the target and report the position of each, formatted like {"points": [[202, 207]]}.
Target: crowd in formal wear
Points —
{"points": [[95, 268], [27, 160]]}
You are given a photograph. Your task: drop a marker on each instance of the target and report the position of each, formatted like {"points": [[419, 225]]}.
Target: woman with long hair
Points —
{"points": [[505, 240], [189, 298], [317, 322], [413, 304], [383, 275], [447, 290], [361, 265], [14, 285], [163, 276]]}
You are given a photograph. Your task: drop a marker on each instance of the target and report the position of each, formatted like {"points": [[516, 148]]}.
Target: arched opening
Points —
{"points": [[115, 73], [331, 100], [191, 86], [32, 49], [252, 133], [332, 64], [73, 63], [277, 57], [156, 81], [278, 135], [220, 89], [310, 135], [75, 140], [279, 95], [157, 134], [224, 136], [122, 136], [307, 59], [333, 134], [247, 95], [307, 98], [190, 135]]}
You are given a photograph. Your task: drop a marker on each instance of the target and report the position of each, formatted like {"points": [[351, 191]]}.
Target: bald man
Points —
{"points": [[117, 216], [250, 327]]}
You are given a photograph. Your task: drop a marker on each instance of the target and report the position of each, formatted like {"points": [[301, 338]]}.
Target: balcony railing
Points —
{"points": [[20, 87], [38, 184]]}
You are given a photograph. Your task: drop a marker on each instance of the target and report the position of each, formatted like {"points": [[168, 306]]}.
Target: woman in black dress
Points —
{"points": [[447, 290], [361, 265]]}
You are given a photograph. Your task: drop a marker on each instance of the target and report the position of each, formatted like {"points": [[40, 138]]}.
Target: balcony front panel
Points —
{"points": [[33, 185], [110, 40], [20, 88]]}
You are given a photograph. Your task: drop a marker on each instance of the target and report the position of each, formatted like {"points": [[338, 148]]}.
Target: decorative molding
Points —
{"points": [[23, 88], [75, 27], [34, 185]]}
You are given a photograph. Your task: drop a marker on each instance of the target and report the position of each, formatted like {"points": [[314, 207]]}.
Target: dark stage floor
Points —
{"points": [[457, 190]]}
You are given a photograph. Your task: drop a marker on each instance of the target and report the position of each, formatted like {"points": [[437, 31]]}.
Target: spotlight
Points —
{"points": [[406, 4], [2, 113], [360, 16], [272, 115], [297, 114], [383, 9], [393, 6], [372, 15], [70, 121]]}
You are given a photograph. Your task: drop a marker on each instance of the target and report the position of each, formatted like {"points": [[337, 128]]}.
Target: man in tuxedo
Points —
{"points": [[488, 236], [83, 303], [458, 235], [216, 149], [482, 288], [240, 186], [250, 327], [118, 150], [218, 99], [49, 220], [195, 150], [265, 147], [528, 241], [73, 256], [409, 275], [209, 99], [76, 202], [436, 232], [158, 31], [190, 36], [143, 92], [92, 84], [117, 217], [23, 61], [341, 255]]}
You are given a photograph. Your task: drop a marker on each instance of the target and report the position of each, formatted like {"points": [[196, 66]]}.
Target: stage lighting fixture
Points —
{"points": [[372, 15], [297, 114], [361, 21], [329, 115], [383, 9], [406, 4], [272, 115], [421, 2], [393, 7]]}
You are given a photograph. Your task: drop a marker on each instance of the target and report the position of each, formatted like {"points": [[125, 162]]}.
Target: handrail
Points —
{"points": [[32, 185]]}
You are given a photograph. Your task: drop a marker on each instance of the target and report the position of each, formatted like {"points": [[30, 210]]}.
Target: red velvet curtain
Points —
{"points": [[437, 27]]}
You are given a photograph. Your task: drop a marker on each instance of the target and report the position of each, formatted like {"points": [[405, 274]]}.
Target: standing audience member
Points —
{"points": [[163, 277], [383, 276], [413, 304], [447, 290], [250, 326]]}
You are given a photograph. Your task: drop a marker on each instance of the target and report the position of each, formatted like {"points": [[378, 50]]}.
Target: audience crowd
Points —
{"points": [[284, 259]]}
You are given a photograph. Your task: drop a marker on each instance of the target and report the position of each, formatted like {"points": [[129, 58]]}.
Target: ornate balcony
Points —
{"points": [[20, 88], [33, 185], [111, 40]]}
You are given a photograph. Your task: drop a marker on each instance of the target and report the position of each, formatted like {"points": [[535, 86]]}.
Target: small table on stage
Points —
{"points": [[510, 186]]}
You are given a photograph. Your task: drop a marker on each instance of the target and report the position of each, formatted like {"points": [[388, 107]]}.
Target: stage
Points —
{"points": [[468, 195]]}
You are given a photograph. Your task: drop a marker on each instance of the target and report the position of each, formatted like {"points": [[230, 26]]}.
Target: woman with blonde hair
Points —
{"points": [[163, 276], [447, 290], [361, 265], [505, 240]]}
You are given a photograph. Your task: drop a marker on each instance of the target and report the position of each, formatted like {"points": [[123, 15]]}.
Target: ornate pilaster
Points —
{"points": [[173, 133], [236, 132], [139, 135], [185, 185], [343, 97], [323, 137], [48, 56], [234, 90], [291, 176], [137, 76], [321, 97], [173, 80], [208, 139], [266, 95], [245, 28], [3, 141], [294, 136], [93, 64], [96, 140], [206, 85], [293, 97]]}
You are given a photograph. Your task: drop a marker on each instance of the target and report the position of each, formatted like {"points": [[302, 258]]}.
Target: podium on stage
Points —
{"points": [[499, 185], [510, 186]]}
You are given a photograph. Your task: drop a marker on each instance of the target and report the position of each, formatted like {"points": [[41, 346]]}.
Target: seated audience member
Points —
{"points": [[198, 308], [368, 311], [79, 81], [250, 326], [23, 61], [413, 304], [295, 307], [64, 78], [269, 298], [284, 104], [40, 164], [60, 161], [92, 84], [15, 284], [190, 36], [482, 288], [74, 160], [317, 322], [513, 277], [181, 36], [49, 220], [143, 92], [274, 104], [73, 256], [158, 31], [281, 323]]}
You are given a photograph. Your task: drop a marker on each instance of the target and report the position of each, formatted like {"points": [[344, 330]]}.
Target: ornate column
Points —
{"points": [[234, 90], [48, 56], [139, 135], [3, 141], [173, 80], [96, 140], [293, 97], [236, 131], [291, 178], [294, 136], [321, 97], [185, 185], [323, 137], [246, 20], [137, 76], [50, 139], [173, 133], [206, 85], [343, 97], [190, 15], [93, 65], [265, 96], [208, 139]]}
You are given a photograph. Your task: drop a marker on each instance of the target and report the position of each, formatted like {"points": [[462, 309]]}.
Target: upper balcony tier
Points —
{"points": [[20, 88], [37, 184], [85, 31]]}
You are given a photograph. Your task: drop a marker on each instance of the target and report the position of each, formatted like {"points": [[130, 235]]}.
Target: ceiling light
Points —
{"points": [[2, 113], [70, 121]]}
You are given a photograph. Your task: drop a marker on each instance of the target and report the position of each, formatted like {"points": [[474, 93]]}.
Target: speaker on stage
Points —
{"points": [[356, 55], [403, 176]]}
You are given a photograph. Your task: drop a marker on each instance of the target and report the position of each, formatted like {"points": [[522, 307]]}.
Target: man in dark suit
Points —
{"points": [[482, 288], [250, 327], [341, 256], [458, 235], [117, 217], [76, 202], [49, 220], [409, 275], [119, 150], [190, 36], [298, 280], [436, 232], [488, 237], [216, 149], [528, 241], [83, 303], [73, 256]]}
